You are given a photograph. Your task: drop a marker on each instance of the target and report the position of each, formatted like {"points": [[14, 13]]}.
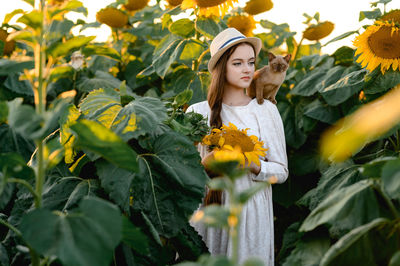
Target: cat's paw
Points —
{"points": [[260, 101]]}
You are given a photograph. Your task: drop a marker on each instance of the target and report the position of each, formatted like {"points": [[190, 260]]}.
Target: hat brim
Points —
{"points": [[255, 42]]}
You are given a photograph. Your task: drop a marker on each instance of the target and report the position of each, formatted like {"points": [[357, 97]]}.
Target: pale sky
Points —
{"points": [[343, 13]]}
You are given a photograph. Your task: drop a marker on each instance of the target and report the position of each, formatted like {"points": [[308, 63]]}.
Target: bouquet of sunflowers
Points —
{"points": [[229, 143]]}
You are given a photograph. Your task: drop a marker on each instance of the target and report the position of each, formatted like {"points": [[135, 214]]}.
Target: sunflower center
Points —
{"points": [[209, 3], [385, 44], [236, 138]]}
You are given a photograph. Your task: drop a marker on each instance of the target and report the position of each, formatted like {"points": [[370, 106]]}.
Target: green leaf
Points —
{"points": [[168, 56], [9, 16], [182, 27], [134, 238], [291, 116], [347, 207], [12, 165], [370, 14], [72, 5], [373, 168], [24, 36], [13, 83], [344, 56], [11, 141], [171, 164], [149, 112], [308, 251], [116, 182], [391, 178], [101, 79], [34, 19], [24, 120], [66, 193], [61, 72], [192, 50], [337, 176], [342, 36], [183, 97], [309, 85], [99, 139], [31, 2], [207, 27], [3, 112], [220, 183], [64, 48], [8, 67], [395, 259], [322, 112], [87, 236], [4, 260], [59, 29], [371, 244], [344, 88], [382, 83], [93, 49]]}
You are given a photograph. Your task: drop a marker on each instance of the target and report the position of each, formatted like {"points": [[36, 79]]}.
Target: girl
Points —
{"points": [[232, 66]]}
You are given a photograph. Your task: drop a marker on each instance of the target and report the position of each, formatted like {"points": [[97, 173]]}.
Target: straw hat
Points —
{"points": [[226, 39]]}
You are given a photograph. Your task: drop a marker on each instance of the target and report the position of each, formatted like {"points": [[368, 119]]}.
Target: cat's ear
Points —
{"points": [[271, 56], [287, 58]]}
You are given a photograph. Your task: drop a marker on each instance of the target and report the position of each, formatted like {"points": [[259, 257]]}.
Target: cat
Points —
{"points": [[267, 80]]}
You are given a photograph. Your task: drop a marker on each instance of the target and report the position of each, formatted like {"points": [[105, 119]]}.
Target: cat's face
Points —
{"points": [[279, 63]]}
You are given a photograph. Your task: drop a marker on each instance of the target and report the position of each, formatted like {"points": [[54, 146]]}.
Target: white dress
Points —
{"points": [[256, 230]]}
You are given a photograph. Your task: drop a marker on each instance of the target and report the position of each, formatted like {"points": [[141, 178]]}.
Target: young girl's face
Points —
{"points": [[240, 67]]}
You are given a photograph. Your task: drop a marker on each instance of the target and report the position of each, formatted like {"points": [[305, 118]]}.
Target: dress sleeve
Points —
{"points": [[272, 133]]}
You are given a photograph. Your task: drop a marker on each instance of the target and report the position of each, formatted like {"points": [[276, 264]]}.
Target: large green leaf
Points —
{"points": [[34, 19], [133, 237], [168, 56], [23, 87], [337, 176], [292, 119], [381, 83], [134, 119], [149, 113], [100, 79], [99, 139], [3, 112], [8, 67], [374, 167], [11, 141], [192, 50], [64, 194], [183, 27], [24, 120], [72, 5], [346, 208], [86, 236], [64, 48], [93, 49], [59, 29], [116, 182], [370, 244], [207, 26], [322, 112], [172, 164], [309, 85], [344, 88], [391, 178], [184, 78], [308, 252]]}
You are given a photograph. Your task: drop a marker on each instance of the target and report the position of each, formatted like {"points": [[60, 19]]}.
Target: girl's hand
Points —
{"points": [[207, 159], [255, 169]]}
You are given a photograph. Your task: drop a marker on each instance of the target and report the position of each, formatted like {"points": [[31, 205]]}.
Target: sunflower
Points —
{"points": [[9, 46], [230, 143], [174, 2], [112, 17], [244, 24], [209, 8], [319, 31], [254, 7], [133, 5], [392, 16], [379, 44]]}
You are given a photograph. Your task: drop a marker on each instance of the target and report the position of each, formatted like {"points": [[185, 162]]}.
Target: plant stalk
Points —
{"points": [[389, 203]]}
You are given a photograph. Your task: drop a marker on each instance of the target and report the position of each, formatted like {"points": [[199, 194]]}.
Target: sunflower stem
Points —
{"points": [[296, 52]]}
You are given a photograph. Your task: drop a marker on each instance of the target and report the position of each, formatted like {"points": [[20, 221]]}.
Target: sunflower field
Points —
{"points": [[98, 163]]}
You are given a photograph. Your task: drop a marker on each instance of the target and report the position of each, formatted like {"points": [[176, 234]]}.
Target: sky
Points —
{"points": [[343, 13]]}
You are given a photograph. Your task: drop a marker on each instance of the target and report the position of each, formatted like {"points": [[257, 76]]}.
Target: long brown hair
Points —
{"points": [[215, 95]]}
